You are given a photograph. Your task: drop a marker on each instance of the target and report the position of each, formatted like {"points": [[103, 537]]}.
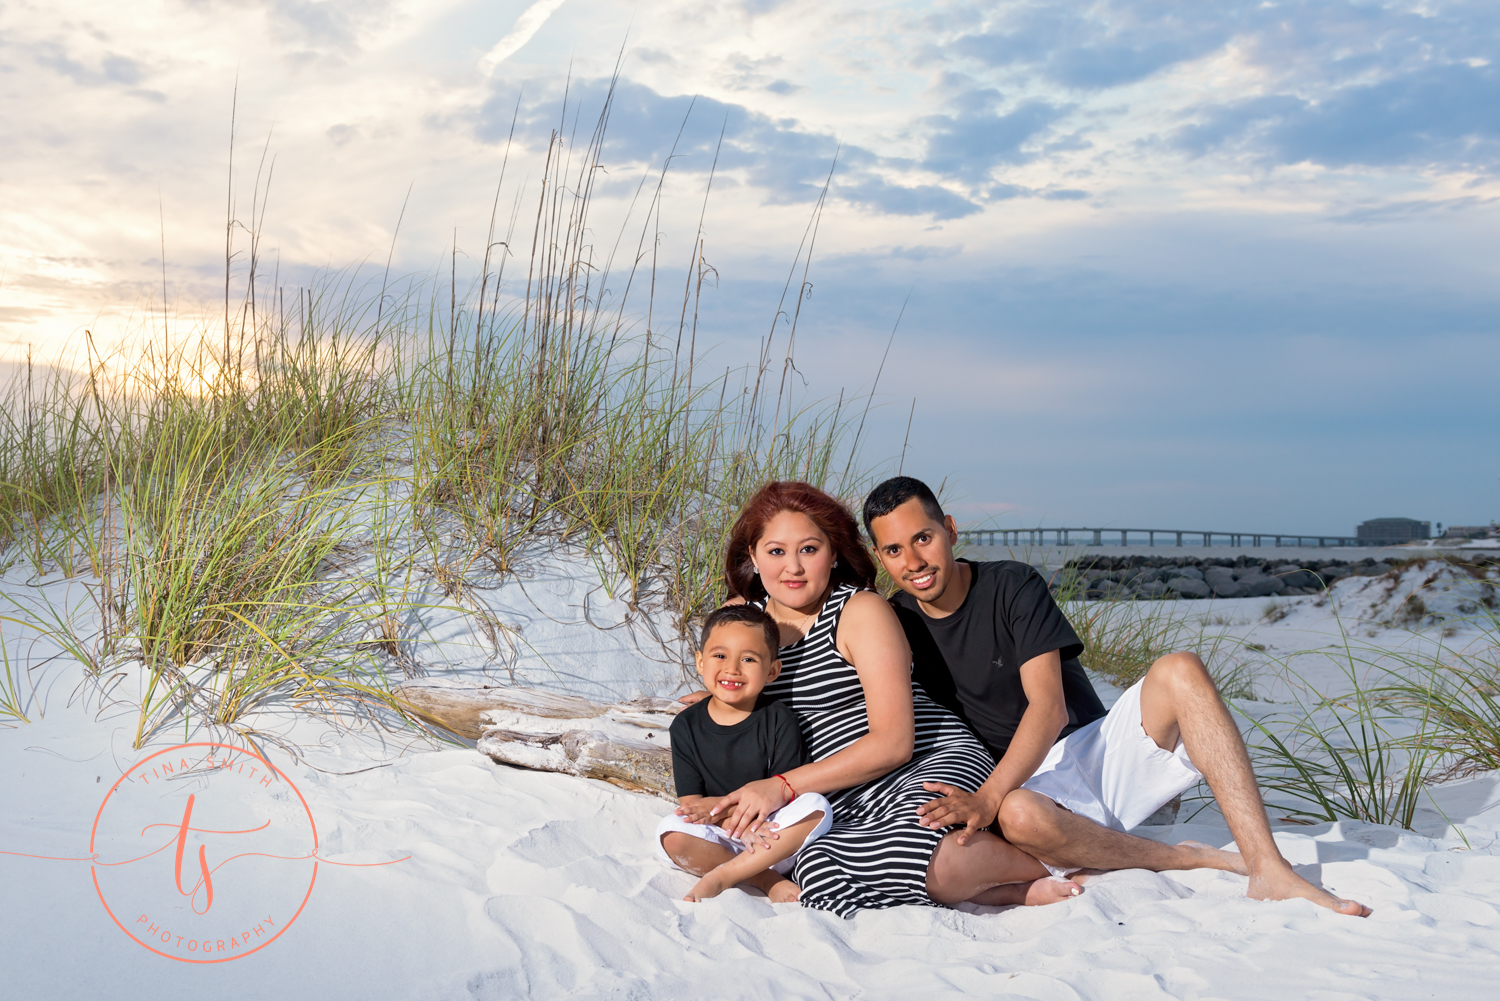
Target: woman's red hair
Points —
{"points": [[833, 519]]}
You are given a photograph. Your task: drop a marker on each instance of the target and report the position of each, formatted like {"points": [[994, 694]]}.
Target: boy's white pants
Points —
{"points": [[797, 810]]}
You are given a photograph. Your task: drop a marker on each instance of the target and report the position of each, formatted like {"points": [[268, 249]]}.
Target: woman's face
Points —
{"points": [[795, 559]]}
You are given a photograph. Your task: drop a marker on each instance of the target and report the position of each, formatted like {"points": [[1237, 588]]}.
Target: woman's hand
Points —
{"points": [[742, 814], [698, 809], [693, 697]]}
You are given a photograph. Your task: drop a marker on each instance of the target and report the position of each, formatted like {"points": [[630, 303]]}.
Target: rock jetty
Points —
{"points": [[1145, 577]]}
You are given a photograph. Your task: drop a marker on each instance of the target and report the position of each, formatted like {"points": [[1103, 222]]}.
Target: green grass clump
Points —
{"points": [[1346, 756], [1458, 697], [1402, 722]]}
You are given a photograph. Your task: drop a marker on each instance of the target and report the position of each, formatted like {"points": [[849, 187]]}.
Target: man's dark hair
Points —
{"points": [[897, 491], [748, 615]]}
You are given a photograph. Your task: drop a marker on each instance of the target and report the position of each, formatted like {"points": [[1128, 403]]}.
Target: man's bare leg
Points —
{"points": [[1181, 701], [701, 857], [1062, 838], [1178, 701], [746, 865], [988, 870]]}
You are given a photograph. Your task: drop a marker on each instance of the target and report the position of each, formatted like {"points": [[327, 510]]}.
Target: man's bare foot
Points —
{"points": [[1284, 884], [1218, 858], [784, 891], [709, 886]]}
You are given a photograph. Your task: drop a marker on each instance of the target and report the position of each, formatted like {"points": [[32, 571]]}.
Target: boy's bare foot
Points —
{"points": [[784, 891], [1218, 858], [1284, 884], [709, 886]]}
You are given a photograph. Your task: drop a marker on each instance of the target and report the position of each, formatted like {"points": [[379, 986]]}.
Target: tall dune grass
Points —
{"points": [[1351, 755], [1122, 638], [266, 503], [1459, 698], [12, 698]]}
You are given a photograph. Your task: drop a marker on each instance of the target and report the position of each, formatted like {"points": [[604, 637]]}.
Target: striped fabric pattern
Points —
{"points": [[876, 855]]}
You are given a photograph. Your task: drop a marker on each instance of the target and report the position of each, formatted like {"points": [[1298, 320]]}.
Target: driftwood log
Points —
{"points": [[625, 743]]}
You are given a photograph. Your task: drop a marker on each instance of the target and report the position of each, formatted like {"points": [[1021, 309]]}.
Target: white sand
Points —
{"points": [[513, 883]]}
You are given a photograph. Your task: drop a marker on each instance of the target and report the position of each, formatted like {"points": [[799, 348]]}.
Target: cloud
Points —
{"points": [[1441, 114], [525, 28], [112, 68], [1098, 45], [974, 138], [788, 162], [744, 73], [309, 31], [926, 253], [753, 8], [895, 199], [330, 25], [1329, 82], [1409, 208], [1005, 192], [1444, 113]]}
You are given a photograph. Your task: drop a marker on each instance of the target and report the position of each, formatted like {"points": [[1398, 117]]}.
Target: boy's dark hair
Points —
{"points": [[748, 615], [897, 491]]}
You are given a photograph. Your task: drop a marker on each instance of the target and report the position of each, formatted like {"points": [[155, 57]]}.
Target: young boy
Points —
{"points": [[726, 741]]}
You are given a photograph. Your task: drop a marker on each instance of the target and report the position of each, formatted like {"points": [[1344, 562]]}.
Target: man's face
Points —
{"points": [[916, 550]]}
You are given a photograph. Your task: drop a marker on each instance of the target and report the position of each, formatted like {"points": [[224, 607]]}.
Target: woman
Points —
{"points": [[873, 735]]}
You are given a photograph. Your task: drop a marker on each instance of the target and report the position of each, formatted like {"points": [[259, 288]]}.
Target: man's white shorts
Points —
{"points": [[1112, 772], [797, 810]]}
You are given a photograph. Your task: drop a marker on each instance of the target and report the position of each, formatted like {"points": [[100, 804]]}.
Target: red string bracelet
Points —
{"points": [[791, 793]]}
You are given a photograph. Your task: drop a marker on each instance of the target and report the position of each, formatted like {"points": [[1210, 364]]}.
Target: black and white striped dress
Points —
{"points": [[876, 855]]}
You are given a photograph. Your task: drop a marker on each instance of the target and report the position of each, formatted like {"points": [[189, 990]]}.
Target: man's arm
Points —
{"points": [[1045, 716]]}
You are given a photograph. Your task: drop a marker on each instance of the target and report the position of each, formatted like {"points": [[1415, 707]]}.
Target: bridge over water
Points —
{"points": [[1063, 537]]}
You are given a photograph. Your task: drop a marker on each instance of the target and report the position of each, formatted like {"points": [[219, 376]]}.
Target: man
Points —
{"points": [[988, 640]]}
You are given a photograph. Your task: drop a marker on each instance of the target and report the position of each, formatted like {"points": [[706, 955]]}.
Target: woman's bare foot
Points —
{"points": [[784, 891], [709, 886], [1052, 891], [1218, 858], [1284, 884], [1033, 894]]}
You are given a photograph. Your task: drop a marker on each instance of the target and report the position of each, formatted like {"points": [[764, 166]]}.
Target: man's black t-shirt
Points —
{"points": [[971, 660], [709, 759]]}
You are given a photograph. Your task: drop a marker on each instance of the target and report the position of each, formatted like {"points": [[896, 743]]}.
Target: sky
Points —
{"points": [[1216, 265]]}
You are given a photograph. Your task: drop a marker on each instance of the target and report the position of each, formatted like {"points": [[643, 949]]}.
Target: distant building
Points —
{"points": [[1469, 531], [1392, 530]]}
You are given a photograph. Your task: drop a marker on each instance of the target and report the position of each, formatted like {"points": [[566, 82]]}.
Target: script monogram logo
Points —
{"points": [[244, 824]]}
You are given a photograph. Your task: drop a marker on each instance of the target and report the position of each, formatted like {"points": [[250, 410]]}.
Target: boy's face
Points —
{"points": [[916, 549], [735, 664]]}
